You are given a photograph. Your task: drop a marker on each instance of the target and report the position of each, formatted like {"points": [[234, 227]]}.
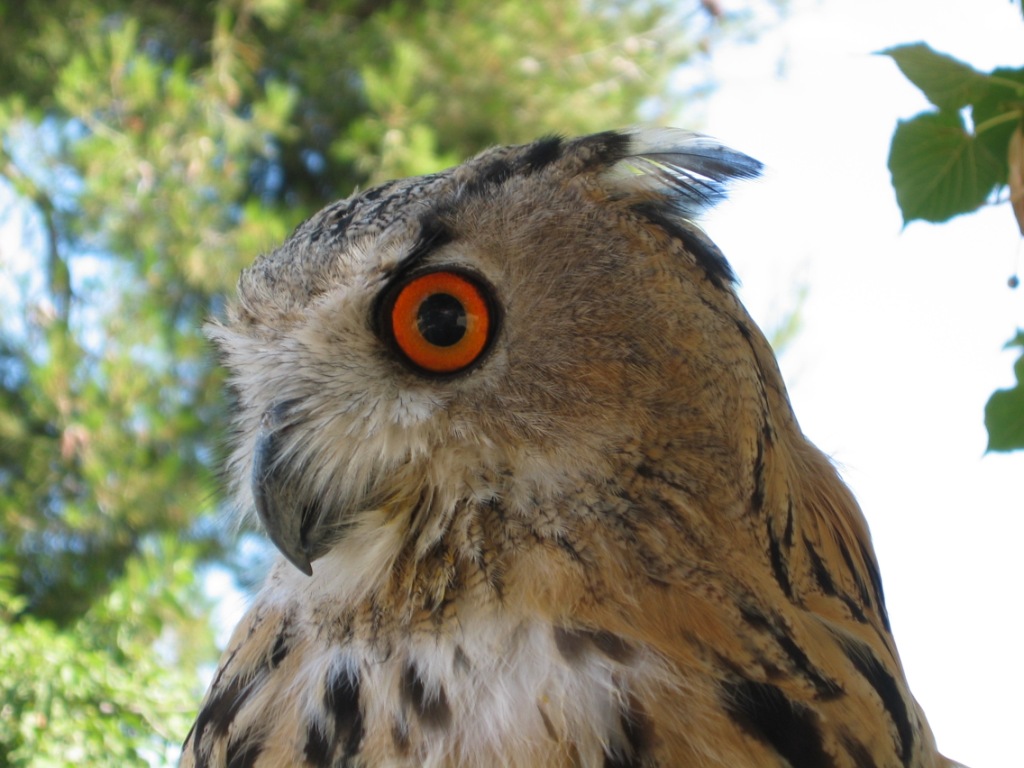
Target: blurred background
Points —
{"points": [[150, 150]]}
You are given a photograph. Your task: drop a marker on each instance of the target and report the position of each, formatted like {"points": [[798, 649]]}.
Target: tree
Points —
{"points": [[942, 167], [149, 151]]}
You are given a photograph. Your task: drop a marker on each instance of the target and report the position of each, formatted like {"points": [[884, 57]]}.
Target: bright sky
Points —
{"points": [[902, 333]]}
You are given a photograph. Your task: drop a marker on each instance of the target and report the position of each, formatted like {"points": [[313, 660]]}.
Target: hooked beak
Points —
{"points": [[289, 519]]}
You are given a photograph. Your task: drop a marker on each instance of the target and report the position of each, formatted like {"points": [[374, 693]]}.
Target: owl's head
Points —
{"points": [[513, 329]]}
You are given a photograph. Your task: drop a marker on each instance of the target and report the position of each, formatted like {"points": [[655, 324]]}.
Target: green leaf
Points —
{"points": [[947, 82], [1004, 412], [939, 170], [1000, 110]]}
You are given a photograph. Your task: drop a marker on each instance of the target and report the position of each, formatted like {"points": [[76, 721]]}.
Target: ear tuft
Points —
{"points": [[687, 171]]}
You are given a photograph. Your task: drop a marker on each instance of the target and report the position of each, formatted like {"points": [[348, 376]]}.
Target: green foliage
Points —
{"points": [[949, 84], [942, 169], [151, 149], [98, 692], [942, 166], [1004, 412]]}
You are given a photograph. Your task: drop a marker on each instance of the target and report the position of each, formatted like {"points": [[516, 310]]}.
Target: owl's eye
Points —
{"points": [[442, 322]]}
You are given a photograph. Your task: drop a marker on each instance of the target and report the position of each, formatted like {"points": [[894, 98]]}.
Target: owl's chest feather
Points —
{"points": [[481, 692], [504, 693]]}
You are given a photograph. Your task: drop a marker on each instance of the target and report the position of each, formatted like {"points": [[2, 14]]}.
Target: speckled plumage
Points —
{"points": [[607, 543]]}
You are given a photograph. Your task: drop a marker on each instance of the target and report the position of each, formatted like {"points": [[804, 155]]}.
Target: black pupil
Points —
{"points": [[441, 319]]}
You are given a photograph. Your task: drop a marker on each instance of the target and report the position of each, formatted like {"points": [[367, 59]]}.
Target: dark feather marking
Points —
{"points": [[876, 583], [857, 750], [787, 536], [819, 571], [825, 688], [337, 215], [433, 711], [460, 661], [856, 611], [342, 699], [243, 751], [779, 568], [887, 689], [339, 225], [680, 484], [220, 711], [639, 733], [715, 266], [828, 587], [212, 711], [757, 495], [318, 747], [573, 643], [775, 556], [375, 193], [740, 326], [612, 646], [764, 712], [434, 233], [638, 727], [862, 589], [495, 173], [280, 647], [610, 146], [564, 544], [542, 153], [400, 735], [650, 472]]}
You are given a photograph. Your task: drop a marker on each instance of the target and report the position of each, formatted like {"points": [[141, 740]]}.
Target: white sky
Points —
{"points": [[902, 333]]}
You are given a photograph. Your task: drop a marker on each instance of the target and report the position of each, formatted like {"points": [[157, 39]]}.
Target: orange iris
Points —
{"points": [[441, 321]]}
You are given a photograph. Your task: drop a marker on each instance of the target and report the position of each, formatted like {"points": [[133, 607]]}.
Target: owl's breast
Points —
{"points": [[481, 689]]}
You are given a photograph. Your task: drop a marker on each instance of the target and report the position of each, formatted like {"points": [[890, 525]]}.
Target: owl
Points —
{"points": [[538, 490]]}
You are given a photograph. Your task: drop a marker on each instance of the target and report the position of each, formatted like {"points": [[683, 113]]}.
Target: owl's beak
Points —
{"points": [[290, 522]]}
